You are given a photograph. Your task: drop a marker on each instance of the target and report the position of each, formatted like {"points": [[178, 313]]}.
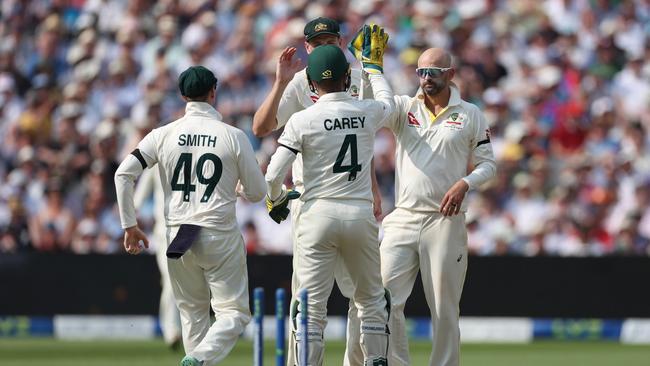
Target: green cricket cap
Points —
{"points": [[326, 62], [321, 25], [196, 81]]}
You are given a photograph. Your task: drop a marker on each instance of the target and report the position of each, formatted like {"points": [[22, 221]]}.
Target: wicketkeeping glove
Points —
{"points": [[278, 209], [356, 44], [368, 46]]}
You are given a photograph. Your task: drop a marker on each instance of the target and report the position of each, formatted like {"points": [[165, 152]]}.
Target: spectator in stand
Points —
{"points": [[558, 80]]}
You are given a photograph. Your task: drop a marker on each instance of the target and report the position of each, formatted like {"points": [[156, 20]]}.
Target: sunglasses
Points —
{"points": [[432, 72]]}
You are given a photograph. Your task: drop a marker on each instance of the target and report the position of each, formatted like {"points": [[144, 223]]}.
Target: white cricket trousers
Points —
{"points": [[353, 354], [437, 246], [329, 231], [212, 272], [170, 323]]}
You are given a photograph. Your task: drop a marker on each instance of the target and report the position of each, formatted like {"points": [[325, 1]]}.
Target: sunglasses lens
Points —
{"points": [[430, 72]]}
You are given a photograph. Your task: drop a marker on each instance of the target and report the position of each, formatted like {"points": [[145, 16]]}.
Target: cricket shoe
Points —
{"points": [[190, 361]]}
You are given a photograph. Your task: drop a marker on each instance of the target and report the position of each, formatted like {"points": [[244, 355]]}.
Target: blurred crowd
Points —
{"points": [[564, 84]]}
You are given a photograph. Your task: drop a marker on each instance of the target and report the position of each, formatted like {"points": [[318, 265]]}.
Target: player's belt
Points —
{"points": [[183, 241]]}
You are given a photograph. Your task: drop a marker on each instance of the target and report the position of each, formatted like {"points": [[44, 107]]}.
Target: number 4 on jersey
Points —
{"points": [[185, 163], [350, 142]]}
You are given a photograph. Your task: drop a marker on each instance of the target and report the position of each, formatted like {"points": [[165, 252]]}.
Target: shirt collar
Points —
{"points": [[334, 96], [203, 108], [454, 96]]}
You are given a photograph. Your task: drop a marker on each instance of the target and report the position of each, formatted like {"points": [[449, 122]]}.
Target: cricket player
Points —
{"points": [[200, 160], [335, 137], [170, 323], [291, 93], [437, 134]]}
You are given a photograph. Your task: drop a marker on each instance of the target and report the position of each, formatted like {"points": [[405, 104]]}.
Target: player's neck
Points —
{"points": [[437, 102], [322, 92]]}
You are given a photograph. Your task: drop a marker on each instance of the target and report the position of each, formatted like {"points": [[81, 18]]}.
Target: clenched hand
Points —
{"points": [[132, 238]]}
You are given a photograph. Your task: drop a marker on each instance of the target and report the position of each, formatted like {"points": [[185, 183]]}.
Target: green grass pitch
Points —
{"points": [[51, 352]]}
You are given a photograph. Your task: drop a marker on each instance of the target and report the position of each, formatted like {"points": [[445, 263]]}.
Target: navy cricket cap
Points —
{"points": [[196, 81], [321, 25]]}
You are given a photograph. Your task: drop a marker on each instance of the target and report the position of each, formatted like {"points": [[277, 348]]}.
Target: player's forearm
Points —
{"points": [[483, 172], [144, 188], [125, 177], [277, 170], [254, 189], [264, 120], [382, 91], [252, 184]]}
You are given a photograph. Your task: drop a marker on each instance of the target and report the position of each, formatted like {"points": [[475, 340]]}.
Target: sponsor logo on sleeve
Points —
{"points": [[413, 122]]}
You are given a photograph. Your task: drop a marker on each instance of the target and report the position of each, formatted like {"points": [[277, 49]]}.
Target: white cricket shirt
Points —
{"points": [[335, 137], [298, 96], [432, 153], [200, 160]]}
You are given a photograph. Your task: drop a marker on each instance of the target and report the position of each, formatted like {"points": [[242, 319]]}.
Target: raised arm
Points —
{"points": [[265, 118], [383, 94]]}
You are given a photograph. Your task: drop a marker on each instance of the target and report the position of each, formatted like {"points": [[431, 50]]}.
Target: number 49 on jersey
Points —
{"points": [[184, 163]]}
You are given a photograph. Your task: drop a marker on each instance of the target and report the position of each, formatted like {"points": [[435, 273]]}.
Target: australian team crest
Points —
{"points": [[456, 121], [354, 91], [320, 27]]}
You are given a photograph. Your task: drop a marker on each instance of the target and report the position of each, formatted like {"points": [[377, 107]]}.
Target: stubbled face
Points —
{"points": [[432, 86], [438, 79], [321, 40]]}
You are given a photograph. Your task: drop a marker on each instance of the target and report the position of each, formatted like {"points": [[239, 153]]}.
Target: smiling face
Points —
{"points": [[435, 71]]}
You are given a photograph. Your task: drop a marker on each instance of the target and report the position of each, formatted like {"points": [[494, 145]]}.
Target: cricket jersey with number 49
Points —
{"points": [[200, 161], [433, 152], [298, 96]]}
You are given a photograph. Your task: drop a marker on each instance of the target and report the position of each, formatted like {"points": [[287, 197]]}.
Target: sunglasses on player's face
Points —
{"points": [[431, 72]]}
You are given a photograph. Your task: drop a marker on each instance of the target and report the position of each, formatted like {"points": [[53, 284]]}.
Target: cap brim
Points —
{"points": [[308, 38]]}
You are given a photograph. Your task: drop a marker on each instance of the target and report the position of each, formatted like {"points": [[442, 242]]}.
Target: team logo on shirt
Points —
{"points": [[354, 91], [413, 122], [456, 121]]}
